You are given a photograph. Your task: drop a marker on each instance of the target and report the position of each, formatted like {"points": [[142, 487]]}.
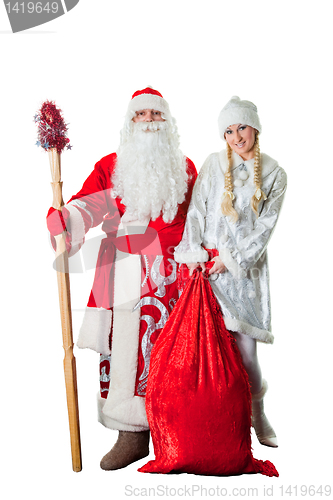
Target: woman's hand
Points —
{"points": [[218, 266], [193, 265]]}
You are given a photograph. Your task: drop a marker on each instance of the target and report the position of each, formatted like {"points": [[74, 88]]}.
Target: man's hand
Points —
{"points": [[218, 266]]}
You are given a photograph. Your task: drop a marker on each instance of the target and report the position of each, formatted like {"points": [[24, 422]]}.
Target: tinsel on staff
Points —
{"points": [[52, 129], [52, 137]]}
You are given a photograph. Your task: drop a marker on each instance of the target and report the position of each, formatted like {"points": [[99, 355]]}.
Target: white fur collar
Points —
{"points": [[268, 164]]}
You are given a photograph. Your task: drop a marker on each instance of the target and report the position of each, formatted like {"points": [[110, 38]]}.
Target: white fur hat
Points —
{"points": [[148, 98], [237, 111]]}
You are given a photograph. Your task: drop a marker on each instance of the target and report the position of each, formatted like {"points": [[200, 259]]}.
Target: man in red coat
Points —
{"points": [[140, 195]]}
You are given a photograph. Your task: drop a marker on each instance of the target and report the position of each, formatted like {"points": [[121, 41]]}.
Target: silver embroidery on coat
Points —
{"points": [[172, 303], [246, 243], [162, 281], [104, 377], [146, 344], [147, 271], [105, 357]]}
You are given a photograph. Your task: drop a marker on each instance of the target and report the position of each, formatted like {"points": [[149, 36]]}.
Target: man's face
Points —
{"points": [[148, 115]]}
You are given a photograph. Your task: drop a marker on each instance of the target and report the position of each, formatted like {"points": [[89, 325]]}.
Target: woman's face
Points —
{"points": [[241, 139]]}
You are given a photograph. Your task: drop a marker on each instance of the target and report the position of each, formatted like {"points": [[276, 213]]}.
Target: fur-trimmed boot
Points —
{"points": [[129, 447], [264, 431]]}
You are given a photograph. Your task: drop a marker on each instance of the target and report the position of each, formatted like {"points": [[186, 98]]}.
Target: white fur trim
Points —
{"points": [[268, 164], [233, 117], [234, 325], [231, 264], [122, 408], [136, 414], [95, 330], [189, 257], [129, 226], [76, 228], [127, 281], [148, 101]]}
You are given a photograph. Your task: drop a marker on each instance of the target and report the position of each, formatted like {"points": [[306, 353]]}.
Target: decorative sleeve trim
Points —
{"points": [[190, 257], [81, 204], [77, 229], [95, 330], [231, 264], [235, 325]]}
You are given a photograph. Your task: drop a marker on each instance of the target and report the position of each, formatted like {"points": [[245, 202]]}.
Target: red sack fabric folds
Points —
{"points": [[198, 398]]}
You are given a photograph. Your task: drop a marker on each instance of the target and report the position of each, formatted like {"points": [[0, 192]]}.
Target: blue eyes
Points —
{"points": [[243, 127]]}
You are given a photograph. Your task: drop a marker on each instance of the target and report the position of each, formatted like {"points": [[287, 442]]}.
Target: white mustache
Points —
{"points": [[151, 126]]}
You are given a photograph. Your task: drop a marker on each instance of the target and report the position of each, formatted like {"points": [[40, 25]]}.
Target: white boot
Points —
{"points": [[264, 431]]}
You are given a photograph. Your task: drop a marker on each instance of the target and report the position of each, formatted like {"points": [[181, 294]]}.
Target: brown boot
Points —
{"points": [[130, 447]]}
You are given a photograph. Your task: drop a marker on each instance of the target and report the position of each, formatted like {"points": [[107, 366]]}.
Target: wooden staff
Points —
{"points": [[66, 317]]}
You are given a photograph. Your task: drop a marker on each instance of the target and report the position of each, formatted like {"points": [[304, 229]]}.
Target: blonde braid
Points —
{"points": [[228, 196], [259, 194]]}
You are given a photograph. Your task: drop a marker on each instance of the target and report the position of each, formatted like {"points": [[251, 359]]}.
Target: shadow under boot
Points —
{"points": [[129, 447], [263, 429]]}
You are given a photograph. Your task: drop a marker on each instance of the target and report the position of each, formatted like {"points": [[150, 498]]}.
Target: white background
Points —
{"points": [[197, 54]]}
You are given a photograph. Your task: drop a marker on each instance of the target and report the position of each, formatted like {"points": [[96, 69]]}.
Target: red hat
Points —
{"points": [[147, 90], [148, 98]]}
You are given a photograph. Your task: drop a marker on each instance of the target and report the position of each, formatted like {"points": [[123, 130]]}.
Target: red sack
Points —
{"points": [[198, 398]]}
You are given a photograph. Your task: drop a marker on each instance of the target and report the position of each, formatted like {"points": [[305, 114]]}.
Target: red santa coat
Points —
{"points": [[133, 293]]}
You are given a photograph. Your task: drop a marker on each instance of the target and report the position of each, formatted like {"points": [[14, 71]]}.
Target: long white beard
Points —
{"points": [[150, 176]]}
